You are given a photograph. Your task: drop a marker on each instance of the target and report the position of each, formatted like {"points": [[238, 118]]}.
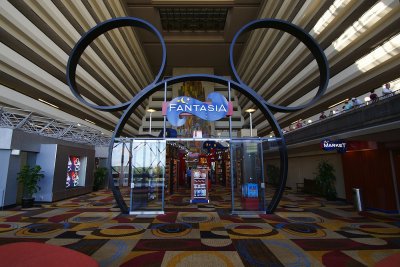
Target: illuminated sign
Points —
{"points": [[180, 106], [338, 145]]}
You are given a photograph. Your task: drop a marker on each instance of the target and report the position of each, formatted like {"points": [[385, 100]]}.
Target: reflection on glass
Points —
{"points": [[248, 174], [140, 166]]}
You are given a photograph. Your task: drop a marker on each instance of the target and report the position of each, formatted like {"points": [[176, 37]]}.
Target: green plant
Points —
{"points": [[272, 174], [30, 177], [325, 179], [99, 177]]}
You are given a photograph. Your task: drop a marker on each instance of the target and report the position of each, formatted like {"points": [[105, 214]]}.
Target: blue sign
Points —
{"points": [[251, 190], [215, 110], [339, 145]]}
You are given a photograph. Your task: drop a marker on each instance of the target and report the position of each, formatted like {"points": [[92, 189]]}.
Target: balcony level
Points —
{"points": [[375, 117]]}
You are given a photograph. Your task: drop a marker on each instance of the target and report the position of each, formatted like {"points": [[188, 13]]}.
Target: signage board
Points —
{"points": [[329, 145], [182, 106]]}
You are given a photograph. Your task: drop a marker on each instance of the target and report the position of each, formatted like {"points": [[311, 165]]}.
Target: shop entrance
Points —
{"points": [[194, 170], [149, 172]]}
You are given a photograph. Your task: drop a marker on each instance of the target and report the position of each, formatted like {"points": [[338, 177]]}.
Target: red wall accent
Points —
{"points": [[371, 171]]}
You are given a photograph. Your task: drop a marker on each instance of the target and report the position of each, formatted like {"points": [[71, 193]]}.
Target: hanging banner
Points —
{"points": [[181, 106]]}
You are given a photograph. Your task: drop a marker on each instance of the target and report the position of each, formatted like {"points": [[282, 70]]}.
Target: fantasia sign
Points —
{"points": [[180, 106]]}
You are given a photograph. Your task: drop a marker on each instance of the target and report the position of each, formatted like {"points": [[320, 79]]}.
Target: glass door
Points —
{"points": [[147, 176], [247, 176]]}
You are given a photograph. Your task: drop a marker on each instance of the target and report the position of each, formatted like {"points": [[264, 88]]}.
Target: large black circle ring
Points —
{"points": [[90, 36], [305, 38], [264, 106], [245, 90]]}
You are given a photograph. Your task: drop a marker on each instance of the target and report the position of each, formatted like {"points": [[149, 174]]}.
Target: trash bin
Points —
{"points": [[357, 199]]}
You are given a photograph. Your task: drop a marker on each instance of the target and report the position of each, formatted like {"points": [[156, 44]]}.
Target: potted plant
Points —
{"points": [[29, 177], [325, 179], [100, 175]]}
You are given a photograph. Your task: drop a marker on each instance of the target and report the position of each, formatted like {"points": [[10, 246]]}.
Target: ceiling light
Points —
{"points": [[309, 121], [329, 15], [334, 105], [366, 21], [151, 110], [250, 110], [90, 121], [367, 99], [381, 54], [50, 104], [78, 124]]}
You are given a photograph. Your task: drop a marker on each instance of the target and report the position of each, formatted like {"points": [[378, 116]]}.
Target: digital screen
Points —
{"points": [[74, 165]]}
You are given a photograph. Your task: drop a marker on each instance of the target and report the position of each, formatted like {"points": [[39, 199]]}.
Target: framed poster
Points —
{"points": [[73, 171]]}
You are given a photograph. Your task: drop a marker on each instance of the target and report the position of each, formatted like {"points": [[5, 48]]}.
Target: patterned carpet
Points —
{"points": [[305, 231]]}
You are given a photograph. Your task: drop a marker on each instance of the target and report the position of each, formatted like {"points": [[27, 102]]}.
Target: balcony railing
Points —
{"points": [[372, 113]]}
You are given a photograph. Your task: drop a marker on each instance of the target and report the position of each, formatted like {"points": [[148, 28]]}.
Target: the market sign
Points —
{"points": [[182, 106], [339, 145]]}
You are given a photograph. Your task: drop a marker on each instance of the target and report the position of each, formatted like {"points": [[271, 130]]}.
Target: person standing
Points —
{"points": [[348, 105], [373, 96], [356, 102], [299, 124], [323, 116], [386, 90]]}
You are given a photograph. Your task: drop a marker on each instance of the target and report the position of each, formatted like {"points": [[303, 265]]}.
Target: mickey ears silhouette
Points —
{"points": [[237, 83], [114, 23]]}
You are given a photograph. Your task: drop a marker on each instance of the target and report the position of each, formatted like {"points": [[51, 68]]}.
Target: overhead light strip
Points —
{"points": [[334, 105], [90, 121], [50, 104]]}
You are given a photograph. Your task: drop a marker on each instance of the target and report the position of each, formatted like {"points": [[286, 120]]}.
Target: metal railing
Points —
{"points": [[356, 107]]}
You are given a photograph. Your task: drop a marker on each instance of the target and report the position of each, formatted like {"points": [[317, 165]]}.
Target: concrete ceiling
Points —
{"points": [[359, 38], [193, 49]]}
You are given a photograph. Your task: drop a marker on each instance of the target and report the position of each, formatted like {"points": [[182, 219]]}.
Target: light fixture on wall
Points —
{"points": [[150, 110], [250, 110]]}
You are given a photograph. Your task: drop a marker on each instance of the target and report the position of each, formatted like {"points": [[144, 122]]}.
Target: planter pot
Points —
{"points": [[27, 202]]}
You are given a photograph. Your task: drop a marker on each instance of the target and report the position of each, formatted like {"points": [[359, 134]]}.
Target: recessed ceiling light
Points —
{"points": [[90, 121]]}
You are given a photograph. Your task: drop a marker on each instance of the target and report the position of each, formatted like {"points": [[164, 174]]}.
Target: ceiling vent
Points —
{"points": [[180, 19]]}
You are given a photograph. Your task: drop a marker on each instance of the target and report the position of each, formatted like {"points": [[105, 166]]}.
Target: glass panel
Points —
{"points": [[120, 163], [248, 186], [148, 172]]}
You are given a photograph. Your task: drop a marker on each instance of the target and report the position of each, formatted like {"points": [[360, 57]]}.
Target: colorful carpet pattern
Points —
{"points": [[304, 231]]}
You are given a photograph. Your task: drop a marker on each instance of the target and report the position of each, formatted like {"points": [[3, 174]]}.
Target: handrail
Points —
{"points": [[368, 103]]}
